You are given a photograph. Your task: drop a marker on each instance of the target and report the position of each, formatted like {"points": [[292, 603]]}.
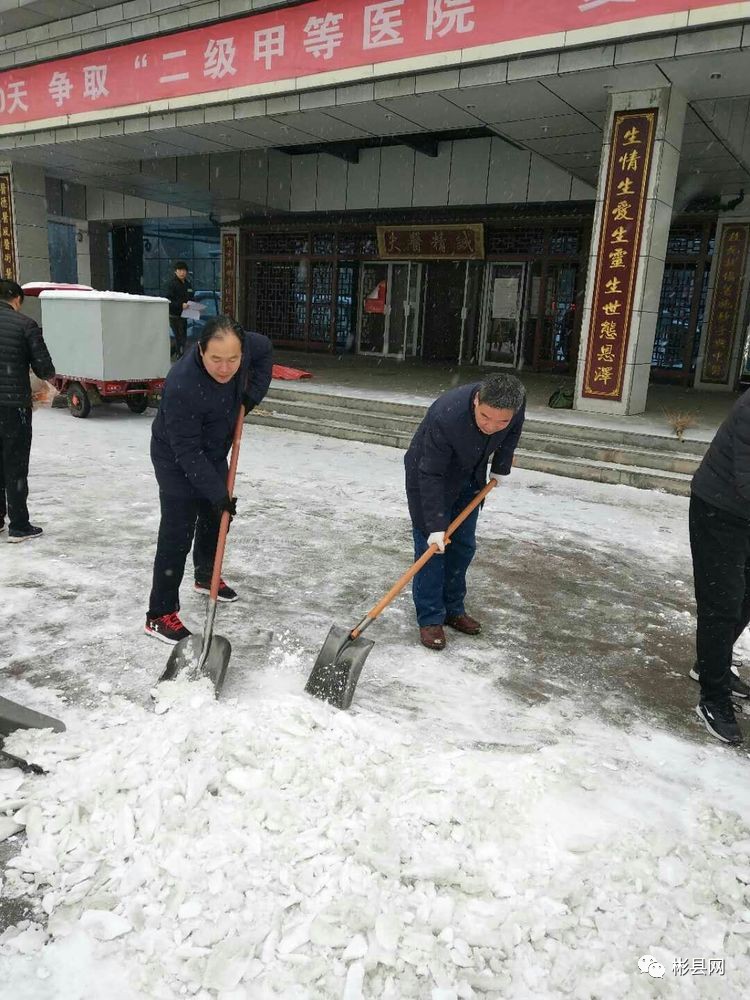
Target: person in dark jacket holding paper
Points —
{"points": [[179, 291], [21, 347], [720, 546], [446, 466], [190, 441]]}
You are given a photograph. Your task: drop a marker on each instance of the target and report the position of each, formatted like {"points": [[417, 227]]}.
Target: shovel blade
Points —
{"points": [[13, 716], [336, 671], [185, 658]]}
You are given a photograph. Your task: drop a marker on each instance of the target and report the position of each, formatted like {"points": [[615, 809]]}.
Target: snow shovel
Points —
{"points": [[208, 655], [336, 671], [14, 716]]}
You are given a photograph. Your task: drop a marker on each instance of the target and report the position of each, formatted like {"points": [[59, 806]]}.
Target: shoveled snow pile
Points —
{"points": [[283, 849]]}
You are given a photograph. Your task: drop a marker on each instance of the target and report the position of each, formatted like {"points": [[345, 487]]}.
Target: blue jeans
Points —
{"points": [[439, 588]]}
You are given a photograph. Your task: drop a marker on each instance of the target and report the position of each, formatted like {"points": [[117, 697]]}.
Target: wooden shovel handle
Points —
{"points": [[221, 542], [402, 581]]}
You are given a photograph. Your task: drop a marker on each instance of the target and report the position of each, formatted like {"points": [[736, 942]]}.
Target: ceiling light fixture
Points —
{"points": [[714, 76]]}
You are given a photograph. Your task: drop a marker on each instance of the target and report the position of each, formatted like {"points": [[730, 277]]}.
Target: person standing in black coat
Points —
{"points": [[446, 466], [21, 347], [720, 546], [190, 440], [179, 292]]}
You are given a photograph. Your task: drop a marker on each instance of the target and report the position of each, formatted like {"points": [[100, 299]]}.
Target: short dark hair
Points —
{"points": [[502, 391], [220, 326], [180, 265], [10, 290]]}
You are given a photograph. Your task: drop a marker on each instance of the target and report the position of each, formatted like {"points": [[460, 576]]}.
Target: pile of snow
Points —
{"points": [[282, 849]]}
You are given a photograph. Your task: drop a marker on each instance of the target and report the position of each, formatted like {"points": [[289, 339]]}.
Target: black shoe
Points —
{"points": [[226, 594], [718, 718], [168, 628], [23, 534], [737, 685]]}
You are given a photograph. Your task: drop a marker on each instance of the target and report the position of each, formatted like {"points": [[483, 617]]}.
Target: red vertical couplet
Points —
{"points": [[8, 268], [725, 304], [229, 274], [619, 249]]}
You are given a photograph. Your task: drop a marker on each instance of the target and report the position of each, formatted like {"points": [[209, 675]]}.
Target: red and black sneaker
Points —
{"points": [[226, 594], [168, 628]]}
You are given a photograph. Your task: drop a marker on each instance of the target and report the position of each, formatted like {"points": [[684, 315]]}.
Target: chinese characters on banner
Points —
{"points": [[617, 258], [431, 242], [7, 239], [725, 304], [229, 274], [300, 41]]}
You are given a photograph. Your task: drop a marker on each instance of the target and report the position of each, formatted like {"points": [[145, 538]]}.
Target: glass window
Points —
{"points": [[63, 259]]}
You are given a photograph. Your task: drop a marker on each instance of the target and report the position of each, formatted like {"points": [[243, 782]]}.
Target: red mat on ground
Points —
{"points": [[281, 371]]}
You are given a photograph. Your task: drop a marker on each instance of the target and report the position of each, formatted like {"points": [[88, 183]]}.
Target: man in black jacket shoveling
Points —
{"points": [[21, 347], [720, 546], [446, 466]]}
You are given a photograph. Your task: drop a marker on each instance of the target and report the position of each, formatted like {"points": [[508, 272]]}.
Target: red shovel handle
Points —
{"points": [[221, 542]]}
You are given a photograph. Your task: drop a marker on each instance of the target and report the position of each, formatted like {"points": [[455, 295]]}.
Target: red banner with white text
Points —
{"points": [[305, 40]]}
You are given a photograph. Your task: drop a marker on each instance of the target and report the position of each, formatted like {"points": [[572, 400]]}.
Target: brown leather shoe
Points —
{"points": [[432, 636], [464, 623]]}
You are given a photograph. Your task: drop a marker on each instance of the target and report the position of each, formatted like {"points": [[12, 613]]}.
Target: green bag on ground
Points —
{"points": [[561, 399]]}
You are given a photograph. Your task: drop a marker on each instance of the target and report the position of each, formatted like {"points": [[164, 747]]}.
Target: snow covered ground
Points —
{"points": [[532, 813]]}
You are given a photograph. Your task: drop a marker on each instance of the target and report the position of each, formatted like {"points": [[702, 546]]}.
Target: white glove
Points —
{"points": [[497, 477], [437, 538]]}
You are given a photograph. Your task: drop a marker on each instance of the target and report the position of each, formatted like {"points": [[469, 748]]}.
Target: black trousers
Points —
{"points": [[720, 546], [182, 519], [179, 329], [15, 448]]}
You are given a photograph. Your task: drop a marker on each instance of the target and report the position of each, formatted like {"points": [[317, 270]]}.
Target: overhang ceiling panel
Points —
{"points": [[229, 137], [589, 91], [508, 102], [707, 77], [549, 127], [584, 142], [272, 131], [322, 127], [432, 112], [373, 119]]}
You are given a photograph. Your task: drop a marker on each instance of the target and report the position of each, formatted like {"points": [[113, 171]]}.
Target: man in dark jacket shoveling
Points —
{"points": [[446, 466], [720, 546]]}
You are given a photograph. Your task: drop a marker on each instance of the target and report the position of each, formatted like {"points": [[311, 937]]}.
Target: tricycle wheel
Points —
{"points": [[137, 404], [78, 400]]}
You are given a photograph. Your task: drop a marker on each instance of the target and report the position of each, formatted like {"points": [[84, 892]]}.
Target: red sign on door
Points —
{"points": [[300, 41]]}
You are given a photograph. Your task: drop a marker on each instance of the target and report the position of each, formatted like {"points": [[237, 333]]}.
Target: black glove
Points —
{"points": [[228, 504], [247, 402]]}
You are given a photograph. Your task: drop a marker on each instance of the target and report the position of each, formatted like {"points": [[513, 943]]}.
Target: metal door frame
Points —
{"points": [[486, 314], [425, 281], [389, 265]]}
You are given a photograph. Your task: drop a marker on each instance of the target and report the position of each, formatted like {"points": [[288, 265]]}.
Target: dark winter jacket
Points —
{"points": [[448, 455], [723, 477], [21, 347], [178, 292], [192, 433]]}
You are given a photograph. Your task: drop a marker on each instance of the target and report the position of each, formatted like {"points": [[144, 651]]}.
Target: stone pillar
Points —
{"points": [[613, 374], [28, 199]]}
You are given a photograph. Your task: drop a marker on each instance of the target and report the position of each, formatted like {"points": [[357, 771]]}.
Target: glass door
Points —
{"points": [[503, 314], [388, 313]]}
